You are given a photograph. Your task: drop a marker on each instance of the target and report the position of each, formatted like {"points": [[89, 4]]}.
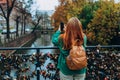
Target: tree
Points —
{"points": [[87, 13], [102, 27], [6, 11], [60, 14], [25, 10], [65, 10], [17, 25], [36, 20]]}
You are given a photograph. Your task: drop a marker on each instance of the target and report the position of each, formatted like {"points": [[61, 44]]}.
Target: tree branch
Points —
{"points": [[36, 24], [11, 6], [3, 11]]}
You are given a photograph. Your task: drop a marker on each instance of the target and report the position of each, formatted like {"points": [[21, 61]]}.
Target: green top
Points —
{"points": [[63, 54]]}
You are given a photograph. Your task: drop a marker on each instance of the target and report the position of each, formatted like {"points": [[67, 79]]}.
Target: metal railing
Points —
{"points": [[39, 48]]}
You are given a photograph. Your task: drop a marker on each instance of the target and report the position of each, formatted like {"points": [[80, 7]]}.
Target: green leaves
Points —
{"points": [[104, 23]]}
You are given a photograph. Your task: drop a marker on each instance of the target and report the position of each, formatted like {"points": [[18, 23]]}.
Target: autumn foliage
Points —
{"points": [[100, 18]]}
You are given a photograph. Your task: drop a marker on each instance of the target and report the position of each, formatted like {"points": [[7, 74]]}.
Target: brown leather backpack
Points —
{"points": [[76, 59]]}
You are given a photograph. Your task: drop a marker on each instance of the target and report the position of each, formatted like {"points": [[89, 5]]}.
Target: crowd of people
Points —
{"points": [[101, 66]]}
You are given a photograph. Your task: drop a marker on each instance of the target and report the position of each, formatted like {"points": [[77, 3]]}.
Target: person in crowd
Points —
{"points": [[64, 41]]}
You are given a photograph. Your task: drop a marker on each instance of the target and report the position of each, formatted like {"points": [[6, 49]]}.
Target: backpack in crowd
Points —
{"points": [[76, 59]]}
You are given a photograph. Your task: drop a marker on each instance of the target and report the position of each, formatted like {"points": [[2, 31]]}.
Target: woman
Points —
{"points": [[73, 30]]}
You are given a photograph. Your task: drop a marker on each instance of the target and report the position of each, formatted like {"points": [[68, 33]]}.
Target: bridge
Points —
{"points": [[46, 31], [97, 55]]}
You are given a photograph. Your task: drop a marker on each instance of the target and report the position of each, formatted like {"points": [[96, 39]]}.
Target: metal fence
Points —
{"points": [[89, 50]]}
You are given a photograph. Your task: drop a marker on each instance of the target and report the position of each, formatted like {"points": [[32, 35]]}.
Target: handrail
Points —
{"points": [[53, 47]]}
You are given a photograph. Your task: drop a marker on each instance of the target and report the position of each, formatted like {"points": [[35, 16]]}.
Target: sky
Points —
{"points": [[48, 4]]}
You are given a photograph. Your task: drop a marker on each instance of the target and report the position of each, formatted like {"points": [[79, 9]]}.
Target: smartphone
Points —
{"points": [[61, 26]]}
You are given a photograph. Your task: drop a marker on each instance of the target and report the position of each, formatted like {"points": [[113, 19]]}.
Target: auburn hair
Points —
{"points": [[72, 33]]}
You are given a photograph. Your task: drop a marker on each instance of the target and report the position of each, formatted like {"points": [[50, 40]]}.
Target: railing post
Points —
{"points": [[38, 65]]}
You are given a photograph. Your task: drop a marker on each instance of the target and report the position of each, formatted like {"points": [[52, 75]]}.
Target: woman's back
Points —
{"points": [[73, 31]]}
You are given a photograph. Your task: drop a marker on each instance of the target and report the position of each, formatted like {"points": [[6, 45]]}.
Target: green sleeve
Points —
{"points": [[55, 38], [85, 41]]}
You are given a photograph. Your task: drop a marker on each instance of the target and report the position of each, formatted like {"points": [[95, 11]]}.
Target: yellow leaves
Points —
{"points": [[68, 16], [70, 1], [66, 10], [91, 36]]}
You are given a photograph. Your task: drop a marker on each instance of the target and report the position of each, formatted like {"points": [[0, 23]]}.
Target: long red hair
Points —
{"points": [[72, 33]]}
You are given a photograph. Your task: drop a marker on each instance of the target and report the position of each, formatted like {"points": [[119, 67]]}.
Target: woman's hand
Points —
{"points": [[59, 28], [64, 28]]}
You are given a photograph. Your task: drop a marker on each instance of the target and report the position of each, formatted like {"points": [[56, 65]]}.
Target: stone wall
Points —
{"points": [[19, 42]]}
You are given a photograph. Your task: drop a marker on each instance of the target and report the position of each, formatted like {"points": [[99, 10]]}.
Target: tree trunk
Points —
{"points": [[36, 25], [8, 29], [34, 29], [17, 24], [24, 23]]}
